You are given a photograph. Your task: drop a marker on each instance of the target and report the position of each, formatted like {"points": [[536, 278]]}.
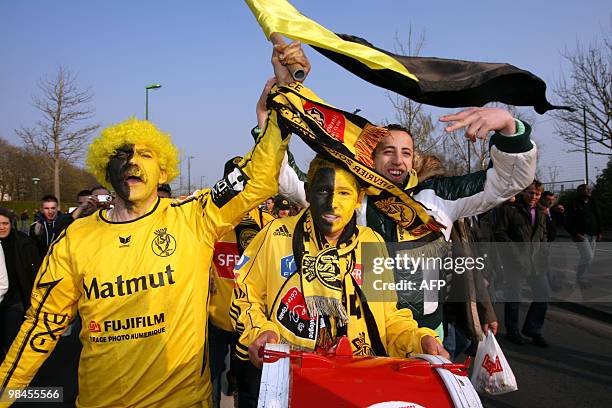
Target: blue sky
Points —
{"points": [[212, 60]]}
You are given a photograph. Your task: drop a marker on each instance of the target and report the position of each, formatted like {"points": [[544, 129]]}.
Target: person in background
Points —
{"points": [[554, 214], [282, 207], [19, 262], [164, 191], [24, 218], [554, 218], [269, 205], [583, 222], [444, 199], [522, 225], [46, 225]]}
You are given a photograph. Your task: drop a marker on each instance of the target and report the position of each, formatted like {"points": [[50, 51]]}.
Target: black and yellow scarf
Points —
{"points": [[349, 140], [324, 287]]}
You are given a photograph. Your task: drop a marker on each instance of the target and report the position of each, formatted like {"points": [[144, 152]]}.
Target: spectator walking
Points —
{"points": [[583, 222], [522, 225], [554, 214]]}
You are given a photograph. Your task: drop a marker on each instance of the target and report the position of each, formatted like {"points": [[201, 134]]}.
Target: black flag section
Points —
{"points": [[451, 83]]}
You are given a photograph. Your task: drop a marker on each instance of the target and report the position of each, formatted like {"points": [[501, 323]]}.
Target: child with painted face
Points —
{"points": [[300, 280]]}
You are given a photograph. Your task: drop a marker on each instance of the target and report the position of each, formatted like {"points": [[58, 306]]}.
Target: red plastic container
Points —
{"points": [[339, 379]]}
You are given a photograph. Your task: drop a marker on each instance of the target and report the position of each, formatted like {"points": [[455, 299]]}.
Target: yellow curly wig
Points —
{"points": [[132, 131]]}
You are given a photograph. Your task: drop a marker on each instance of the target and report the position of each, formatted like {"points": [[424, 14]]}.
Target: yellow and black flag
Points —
{"points": [[433, 81]]}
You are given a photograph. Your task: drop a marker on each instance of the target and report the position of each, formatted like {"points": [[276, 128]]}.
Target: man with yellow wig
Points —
{"points": [[138, 274]]}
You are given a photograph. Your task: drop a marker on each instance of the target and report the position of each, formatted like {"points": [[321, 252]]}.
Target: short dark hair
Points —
{"points": [[547, 193], [538, 185], [397, 126], [391, 126], [84, 193], [165, 187], [7, 213], [49, 198]]}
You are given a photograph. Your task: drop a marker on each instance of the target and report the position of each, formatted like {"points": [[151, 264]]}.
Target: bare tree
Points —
{"points": [[408, 113], [589, 91], [63, 130]]}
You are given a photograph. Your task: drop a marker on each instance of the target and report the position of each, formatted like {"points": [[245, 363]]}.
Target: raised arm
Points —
{"points": [[255, 177], [513, 164]]}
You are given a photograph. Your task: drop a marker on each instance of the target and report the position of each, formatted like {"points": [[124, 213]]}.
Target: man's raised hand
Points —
{"points": [[478, 122]]}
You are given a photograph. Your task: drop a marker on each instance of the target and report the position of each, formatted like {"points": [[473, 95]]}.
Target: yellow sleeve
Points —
{"points": [[250, 298], [403, 333], [54, 303], [253, 180]]}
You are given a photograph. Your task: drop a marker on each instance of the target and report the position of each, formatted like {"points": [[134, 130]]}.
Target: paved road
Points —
{"points": [[575, 371]]}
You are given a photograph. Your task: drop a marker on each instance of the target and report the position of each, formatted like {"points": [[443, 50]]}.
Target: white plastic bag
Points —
{"points": [[492, 373]]}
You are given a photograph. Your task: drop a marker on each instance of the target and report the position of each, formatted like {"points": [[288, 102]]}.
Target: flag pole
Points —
{"points": [[296, 70]]}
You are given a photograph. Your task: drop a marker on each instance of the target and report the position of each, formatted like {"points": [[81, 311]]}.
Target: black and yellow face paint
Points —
{"points": [[134, 173], [333, 196]]}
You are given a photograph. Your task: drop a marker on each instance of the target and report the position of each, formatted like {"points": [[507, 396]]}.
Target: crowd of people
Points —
{"points": [[177, 296]]}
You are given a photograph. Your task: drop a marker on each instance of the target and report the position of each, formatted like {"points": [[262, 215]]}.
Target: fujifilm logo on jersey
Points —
{"points": [[123, 287], [282, 231]]}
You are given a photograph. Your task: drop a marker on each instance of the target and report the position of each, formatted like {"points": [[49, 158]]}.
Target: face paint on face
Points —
{"points": [[117, 169], [333, 198], [134, 173]]}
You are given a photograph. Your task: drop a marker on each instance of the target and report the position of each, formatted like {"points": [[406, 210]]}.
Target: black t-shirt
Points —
{"points": [[13, 295]]}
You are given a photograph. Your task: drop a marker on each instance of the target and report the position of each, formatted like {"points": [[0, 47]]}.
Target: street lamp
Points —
{"points": [[189, 174], [35, 180], [153, 86]]}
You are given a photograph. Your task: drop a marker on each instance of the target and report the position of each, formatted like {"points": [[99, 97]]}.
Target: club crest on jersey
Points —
{"points": [[163, 244], [324, 267]]}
